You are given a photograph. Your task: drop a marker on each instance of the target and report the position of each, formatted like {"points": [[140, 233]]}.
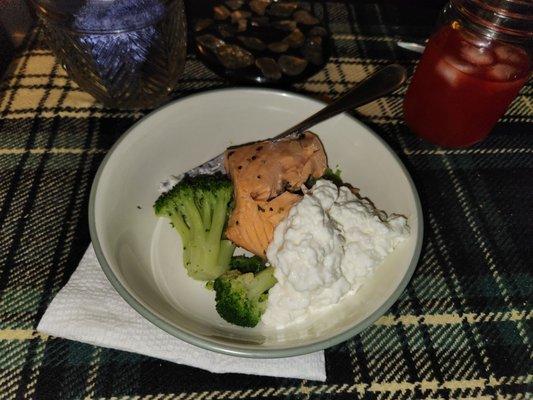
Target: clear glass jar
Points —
{"points": [[473, 66], [125, 53]]}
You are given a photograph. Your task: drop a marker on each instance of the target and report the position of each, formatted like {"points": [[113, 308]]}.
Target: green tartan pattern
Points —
{"points": [[462, 329]]}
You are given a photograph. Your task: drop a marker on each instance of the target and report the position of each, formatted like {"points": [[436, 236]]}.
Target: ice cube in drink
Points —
{"points": [[510, 54], [450, 69], [503, 72], [476, 55], [460, 64]]}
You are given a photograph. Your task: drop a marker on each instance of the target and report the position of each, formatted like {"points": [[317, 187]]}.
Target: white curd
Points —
{"points": [[330, 242]]}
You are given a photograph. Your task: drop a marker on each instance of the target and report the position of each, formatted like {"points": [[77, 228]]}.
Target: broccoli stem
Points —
{"points": [[206, 217], [179, 224], [187, 255], [195, 220], [198, 251], [217, 255], [218, 220], [263, 281], [216, 252], [226, 252]]}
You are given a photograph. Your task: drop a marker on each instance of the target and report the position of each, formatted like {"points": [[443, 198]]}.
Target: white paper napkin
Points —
{"points": [[89, 310]]}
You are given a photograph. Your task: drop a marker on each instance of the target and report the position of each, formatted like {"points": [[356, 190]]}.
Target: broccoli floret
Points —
{"points": [[245, 264], [333, 176], [330, 175], [241, 298], [198, 208]]}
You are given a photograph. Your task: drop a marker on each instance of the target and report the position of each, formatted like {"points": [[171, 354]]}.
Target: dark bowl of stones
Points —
{"points": [[261, 41]]}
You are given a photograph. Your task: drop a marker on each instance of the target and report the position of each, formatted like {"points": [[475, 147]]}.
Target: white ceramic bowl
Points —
{"points": [[140, 254]]}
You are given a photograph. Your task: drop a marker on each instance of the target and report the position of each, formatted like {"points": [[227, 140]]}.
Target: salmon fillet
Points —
{"points": [[263, 175]]}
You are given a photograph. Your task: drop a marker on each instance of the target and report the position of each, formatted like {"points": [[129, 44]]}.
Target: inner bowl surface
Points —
{"points": [[141, 256]]}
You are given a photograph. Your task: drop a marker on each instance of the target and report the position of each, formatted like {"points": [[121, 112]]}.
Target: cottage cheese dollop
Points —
{"points": [[325, 248]]}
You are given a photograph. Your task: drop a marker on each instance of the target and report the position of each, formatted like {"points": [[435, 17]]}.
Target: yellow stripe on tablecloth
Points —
{"points": [[21, 334], [454, 319], [409, 152], [348, 36], [362, 388], [443, 152], [52, 150], [386, 320]]}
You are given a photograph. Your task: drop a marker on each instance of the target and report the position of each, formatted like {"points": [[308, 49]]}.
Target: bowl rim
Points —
{"points": [[238, 350]]}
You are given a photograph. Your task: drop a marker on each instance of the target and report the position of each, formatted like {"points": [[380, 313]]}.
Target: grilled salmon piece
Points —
{"points": [[264, 174]]}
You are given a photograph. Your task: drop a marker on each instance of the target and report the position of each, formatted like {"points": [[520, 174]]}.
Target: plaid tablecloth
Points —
{"points": [[461, 329]]}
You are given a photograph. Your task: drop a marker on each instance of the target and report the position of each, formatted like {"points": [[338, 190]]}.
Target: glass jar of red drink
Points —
{"points": [[472, 68]]}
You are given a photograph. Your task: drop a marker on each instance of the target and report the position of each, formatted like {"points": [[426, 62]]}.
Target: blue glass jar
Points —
{"points": [[125, 53]]}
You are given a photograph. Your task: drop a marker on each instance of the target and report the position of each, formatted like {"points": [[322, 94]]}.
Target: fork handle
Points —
{"points": [[377, 85]]}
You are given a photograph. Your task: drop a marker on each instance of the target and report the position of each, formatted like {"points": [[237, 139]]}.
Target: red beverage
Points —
{"points": [[463, 85]]}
